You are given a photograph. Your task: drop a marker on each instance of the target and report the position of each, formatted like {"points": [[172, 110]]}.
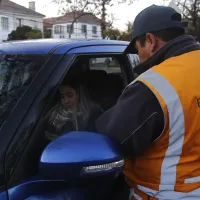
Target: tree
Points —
{"points": [[96, 7], [116, 34], [23, 33], [127, 35], [34, 34], [191, 13], [112, 33], [20, 33], [47, 33]]}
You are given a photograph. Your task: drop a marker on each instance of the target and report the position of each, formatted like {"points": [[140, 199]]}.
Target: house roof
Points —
{"points": [[11, 7], [69, 17], [48, 22]]}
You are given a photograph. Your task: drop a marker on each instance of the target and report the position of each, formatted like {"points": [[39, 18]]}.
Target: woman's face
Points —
{"points": [[68, 96]]}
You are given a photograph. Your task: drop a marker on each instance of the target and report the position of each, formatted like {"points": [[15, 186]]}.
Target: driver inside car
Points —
{"points": [[75, 110]]}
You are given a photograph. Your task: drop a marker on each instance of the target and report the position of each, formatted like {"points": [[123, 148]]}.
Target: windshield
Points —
{"points": [[16, 74]]}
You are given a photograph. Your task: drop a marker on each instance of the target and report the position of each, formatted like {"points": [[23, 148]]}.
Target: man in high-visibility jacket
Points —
{"points": [[157, 117]]}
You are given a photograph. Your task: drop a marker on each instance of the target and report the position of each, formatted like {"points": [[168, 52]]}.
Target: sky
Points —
{"points": [[122, 13]]}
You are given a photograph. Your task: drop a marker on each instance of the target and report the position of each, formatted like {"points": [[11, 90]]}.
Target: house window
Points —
{"points": [[84, 28], [57, 29], [4, 23], [62, 29], [70, 26], [35, 25], [19, 22], [94, 29]]}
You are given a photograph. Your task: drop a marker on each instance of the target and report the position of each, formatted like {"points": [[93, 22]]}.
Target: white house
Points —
{"points": [[85, 26], [173, 5], [13, 15]]}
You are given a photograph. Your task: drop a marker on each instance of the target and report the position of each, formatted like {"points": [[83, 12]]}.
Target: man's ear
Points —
{"points": [[152, 41]]}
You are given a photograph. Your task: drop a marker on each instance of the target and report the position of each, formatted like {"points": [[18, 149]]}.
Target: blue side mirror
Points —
{"points": [[81, 154]]}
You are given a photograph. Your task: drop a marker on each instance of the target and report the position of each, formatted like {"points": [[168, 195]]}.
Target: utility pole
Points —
{"points": [[74, 27], [75, 24]]}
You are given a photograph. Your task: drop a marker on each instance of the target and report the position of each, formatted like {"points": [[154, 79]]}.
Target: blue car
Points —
{"points": [[77, 165]]}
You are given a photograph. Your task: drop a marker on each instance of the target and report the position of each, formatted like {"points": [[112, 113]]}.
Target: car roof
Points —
{"points": [[48, 46]]}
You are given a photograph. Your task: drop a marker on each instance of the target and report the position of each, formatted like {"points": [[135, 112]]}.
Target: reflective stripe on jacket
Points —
{"points": [[170, 169]]}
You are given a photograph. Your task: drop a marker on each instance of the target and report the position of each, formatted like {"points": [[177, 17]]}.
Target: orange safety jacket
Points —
{"points": [[170, 168]]}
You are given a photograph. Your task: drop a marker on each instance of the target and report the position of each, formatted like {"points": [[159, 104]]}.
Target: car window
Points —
{"points": [[16, 74], [109, 64]]}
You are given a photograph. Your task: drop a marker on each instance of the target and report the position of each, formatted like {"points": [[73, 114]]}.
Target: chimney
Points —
{"points": [[32, 5]]}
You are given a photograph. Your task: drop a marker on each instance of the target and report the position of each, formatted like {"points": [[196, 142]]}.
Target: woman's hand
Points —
{"points": [[50, 136]]}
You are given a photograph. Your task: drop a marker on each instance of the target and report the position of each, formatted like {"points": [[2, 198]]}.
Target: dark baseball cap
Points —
{"points": [[152, 19]]}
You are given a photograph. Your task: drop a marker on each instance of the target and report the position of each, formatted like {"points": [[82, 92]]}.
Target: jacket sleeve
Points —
{"points": [[135, 121]]}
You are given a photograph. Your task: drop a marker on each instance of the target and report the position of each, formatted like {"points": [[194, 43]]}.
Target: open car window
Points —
{"points": [[16, 74]]}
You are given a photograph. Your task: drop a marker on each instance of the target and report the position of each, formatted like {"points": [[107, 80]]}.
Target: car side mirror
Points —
{"points": [[78, 155]]}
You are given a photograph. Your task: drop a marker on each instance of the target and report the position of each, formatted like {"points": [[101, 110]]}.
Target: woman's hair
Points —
{"points": [[85, 105], [73, 81]]}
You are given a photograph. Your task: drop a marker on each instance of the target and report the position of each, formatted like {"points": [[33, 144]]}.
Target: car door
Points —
{"points": [[21, 79], [21, 178], [16, 75]]}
